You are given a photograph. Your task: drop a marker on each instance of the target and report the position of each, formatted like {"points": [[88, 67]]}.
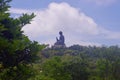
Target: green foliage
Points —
{"points": [[17, 52], [104, 68], [54, 68], [4, 5], [25, 19], [22, 71], [78, 69], [63, 68], [88, 62]]}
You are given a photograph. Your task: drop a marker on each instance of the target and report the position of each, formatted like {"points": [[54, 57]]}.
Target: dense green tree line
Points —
{"points": [[87, 62]]}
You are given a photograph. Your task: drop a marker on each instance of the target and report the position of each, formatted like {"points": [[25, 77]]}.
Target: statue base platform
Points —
{"points": [[59, 46]]}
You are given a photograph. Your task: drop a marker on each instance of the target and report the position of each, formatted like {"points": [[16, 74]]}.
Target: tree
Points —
{"points": [[17, 52], [54, 69], [78, 69], [116, 69], [104, 68]]}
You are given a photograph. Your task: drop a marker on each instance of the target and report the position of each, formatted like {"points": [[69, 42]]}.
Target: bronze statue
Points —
{"points": [[61, 39]]}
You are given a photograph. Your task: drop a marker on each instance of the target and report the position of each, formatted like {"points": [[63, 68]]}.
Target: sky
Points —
{"points": [[83, 22]]}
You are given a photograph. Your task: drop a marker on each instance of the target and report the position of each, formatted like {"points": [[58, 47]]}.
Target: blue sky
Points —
{"points": [[84, 22]]}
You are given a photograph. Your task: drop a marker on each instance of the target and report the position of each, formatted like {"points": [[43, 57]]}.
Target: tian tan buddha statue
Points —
{"points": [[61, 40]]}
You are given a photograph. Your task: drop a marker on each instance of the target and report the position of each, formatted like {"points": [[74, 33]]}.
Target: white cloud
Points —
{"points": [[75, 25], [61, 17]]}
